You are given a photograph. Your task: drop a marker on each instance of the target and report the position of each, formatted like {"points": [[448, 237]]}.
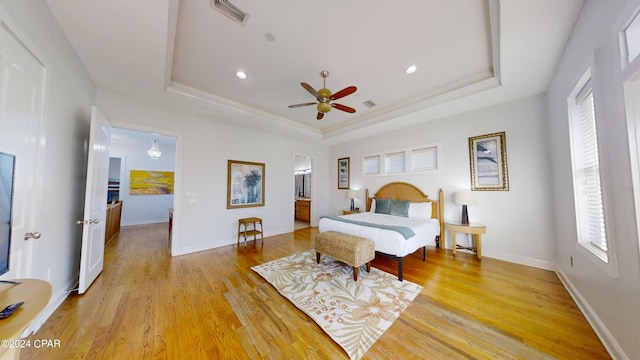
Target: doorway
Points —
{"points": [[303, 189], [130, 152]]}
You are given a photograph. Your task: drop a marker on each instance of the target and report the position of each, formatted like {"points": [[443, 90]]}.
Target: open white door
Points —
{"points": [[95, 203]]}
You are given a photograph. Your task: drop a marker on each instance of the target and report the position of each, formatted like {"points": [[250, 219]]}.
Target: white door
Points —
{"points": [[95, 203], [22, 84]]}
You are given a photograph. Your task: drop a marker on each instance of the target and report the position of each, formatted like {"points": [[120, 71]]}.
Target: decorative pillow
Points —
{"points": [[382, 206], [420, 210], [399, 208], [373, 205]]}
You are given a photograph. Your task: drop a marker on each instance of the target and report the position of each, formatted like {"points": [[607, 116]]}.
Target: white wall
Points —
{"points": [[609, 302], [202, 149], [68, 100], [519, 221], [131, 147]]}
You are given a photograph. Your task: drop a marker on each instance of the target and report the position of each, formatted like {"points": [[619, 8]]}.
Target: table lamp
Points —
{"points": [[352, 194], [464, 198]]}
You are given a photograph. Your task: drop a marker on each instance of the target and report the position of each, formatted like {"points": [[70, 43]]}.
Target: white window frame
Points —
{"points": [[631, 86], [606, 260], [630, 31], [386, 156]]}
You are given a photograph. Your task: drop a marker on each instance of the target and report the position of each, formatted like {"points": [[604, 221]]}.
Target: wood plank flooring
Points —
{"points": [[148, 305]]}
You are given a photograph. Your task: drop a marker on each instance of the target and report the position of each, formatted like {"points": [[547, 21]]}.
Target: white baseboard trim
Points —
{"points": [[598, 326], [522, 260], [220, 243], [144, 222]]}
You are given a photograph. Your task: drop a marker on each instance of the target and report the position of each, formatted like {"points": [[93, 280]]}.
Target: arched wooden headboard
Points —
{"points": [[406, 191]]}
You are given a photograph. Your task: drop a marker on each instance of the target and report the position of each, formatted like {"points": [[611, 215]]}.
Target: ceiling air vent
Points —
{"points": [[369, 104], [230, 11]]}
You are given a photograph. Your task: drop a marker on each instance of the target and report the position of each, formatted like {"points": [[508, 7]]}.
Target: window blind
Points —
{"points": [[424, 159], [372, 164], [394, 162], [587, 171]]}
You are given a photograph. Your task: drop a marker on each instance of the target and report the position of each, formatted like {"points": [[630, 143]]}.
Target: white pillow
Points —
{"points": [[373, 205], [420, 210]]}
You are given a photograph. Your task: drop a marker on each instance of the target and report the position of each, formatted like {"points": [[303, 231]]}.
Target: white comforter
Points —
{"points": [[387, 241]]}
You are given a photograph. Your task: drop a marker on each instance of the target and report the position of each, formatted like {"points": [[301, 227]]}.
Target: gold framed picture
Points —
{"points": [[245, 184], [488, 158]]}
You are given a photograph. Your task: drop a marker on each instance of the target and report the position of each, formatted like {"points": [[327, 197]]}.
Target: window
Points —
{"points": [[406, 161], [424, 159], [631, 39], [394, 162], [586, 169], [371, 165]]}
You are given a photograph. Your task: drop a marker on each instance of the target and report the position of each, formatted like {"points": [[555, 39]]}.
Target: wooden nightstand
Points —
{"points": [[476, 230], [349, 212]]}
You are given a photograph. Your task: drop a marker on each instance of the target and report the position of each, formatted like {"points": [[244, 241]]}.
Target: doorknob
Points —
{"points": [[90, 221], [32, 235]]}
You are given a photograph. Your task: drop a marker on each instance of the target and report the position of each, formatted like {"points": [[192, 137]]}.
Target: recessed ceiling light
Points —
{"points": [[411, 69], [269, 37], [241, 75]]}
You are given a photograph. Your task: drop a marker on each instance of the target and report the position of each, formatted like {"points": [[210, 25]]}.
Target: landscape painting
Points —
{"points": [[145, 182]]}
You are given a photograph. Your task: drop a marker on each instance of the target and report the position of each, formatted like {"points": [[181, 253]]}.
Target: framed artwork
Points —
{"points": [[488, 158], [143, 182], [343, 173], [245, 184]]}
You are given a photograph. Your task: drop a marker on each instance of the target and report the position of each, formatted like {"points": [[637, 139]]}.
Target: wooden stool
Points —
{"points": [[350, 249], [253, 231]]}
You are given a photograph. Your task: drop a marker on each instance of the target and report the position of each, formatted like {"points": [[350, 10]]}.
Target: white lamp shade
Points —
{"points": [[464, 198], [352, 194]]}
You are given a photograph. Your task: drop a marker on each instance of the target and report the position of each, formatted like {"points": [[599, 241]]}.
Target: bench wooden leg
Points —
{"points": [[317, 257], [355, 273], [369, 266]]}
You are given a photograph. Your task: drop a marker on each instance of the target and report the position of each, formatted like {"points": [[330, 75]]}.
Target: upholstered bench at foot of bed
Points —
{"points": [[350, 249]]}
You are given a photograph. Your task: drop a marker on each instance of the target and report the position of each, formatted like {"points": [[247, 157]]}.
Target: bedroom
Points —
{"points": [[537, 153]]}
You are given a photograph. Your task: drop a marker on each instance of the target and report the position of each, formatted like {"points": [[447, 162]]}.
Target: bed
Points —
{"points": [[425, 221]]}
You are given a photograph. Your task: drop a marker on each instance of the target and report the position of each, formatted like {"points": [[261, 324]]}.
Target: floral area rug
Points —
{"points": [[353, 313]]}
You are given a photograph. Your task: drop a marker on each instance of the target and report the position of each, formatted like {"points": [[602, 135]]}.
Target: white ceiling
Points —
{"points": [[469, 54]]}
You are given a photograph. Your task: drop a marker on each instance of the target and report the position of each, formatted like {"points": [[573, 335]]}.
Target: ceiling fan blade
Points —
{"points": [[300, 105], [311, 90], [320, 115], [344, 92], [343, 108]]}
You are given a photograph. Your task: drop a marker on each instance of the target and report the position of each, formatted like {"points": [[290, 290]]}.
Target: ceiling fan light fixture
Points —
{"points": [[324, 93], [324, 107]]}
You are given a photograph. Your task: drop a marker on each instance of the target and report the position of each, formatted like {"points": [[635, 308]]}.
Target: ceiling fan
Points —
{"points": [[325, 97]]}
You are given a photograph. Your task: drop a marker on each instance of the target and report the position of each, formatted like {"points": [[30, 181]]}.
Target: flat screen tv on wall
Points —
{"points": [[7, 167]]}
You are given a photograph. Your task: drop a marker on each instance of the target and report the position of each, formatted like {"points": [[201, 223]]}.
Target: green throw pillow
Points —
{"points": [[399, 208], [382, 206]]}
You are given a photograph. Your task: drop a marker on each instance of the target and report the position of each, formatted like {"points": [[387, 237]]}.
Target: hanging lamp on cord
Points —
{"points": [[154, 152]]}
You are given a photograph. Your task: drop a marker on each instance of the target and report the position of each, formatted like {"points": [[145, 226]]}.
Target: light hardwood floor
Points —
{"points": [[147, 305]]}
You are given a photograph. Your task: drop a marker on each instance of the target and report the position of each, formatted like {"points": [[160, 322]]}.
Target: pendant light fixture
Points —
{"points": [[154, 152]]}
